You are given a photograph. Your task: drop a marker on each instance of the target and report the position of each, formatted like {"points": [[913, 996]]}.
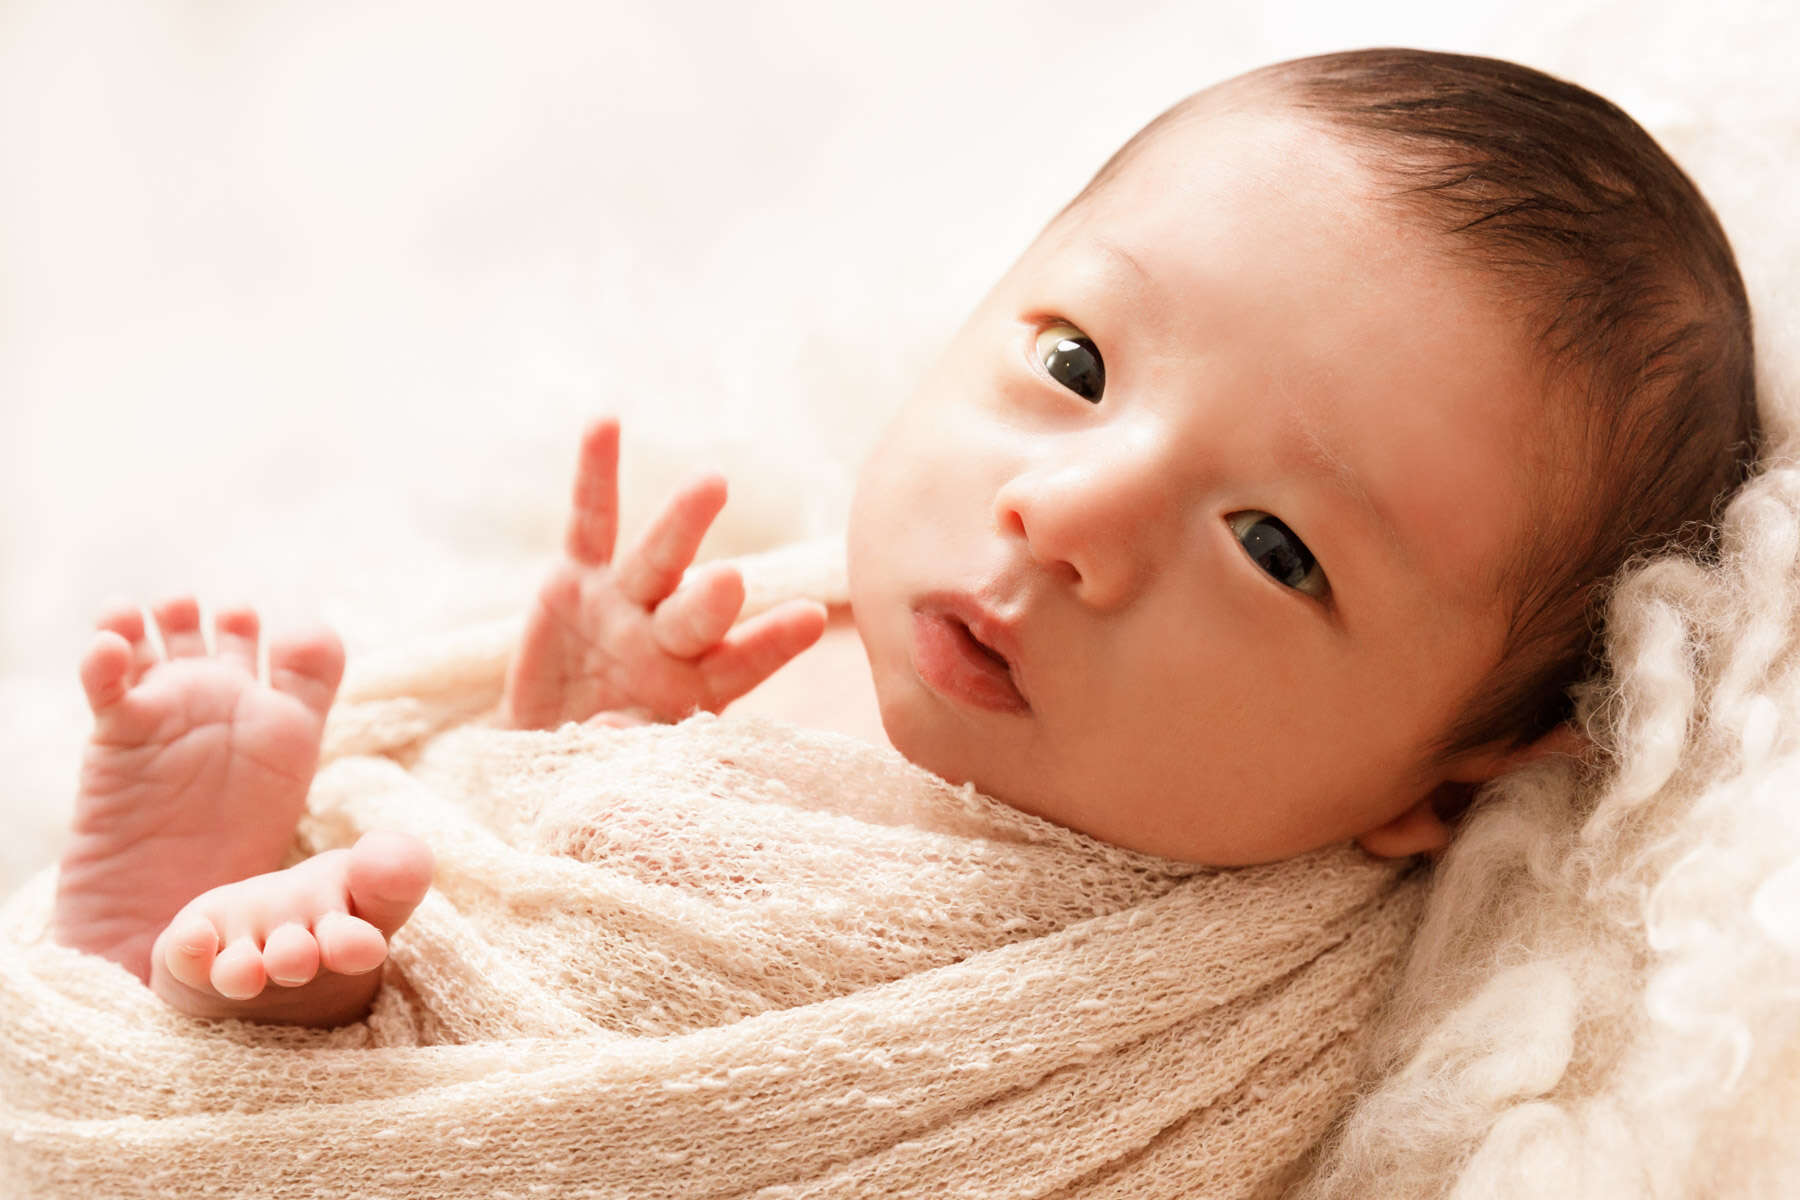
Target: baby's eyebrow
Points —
{"points": [[1123, 256], [1327, 464]]}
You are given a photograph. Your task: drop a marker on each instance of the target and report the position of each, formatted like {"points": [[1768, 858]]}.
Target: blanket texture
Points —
{"points": [[727, 957]]}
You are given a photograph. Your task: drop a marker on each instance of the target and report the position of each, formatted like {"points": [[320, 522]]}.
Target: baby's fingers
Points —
{"points": [[760, 647], [594, 511], [692, 621], [654, 567]]}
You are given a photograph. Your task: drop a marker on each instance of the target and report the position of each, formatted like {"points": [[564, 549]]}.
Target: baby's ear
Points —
{"points": [[1427, 826], [1418, 830]]}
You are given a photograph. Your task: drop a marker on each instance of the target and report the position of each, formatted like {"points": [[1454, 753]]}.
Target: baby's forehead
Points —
{"points": [[1237, 110], [1295, 162]]}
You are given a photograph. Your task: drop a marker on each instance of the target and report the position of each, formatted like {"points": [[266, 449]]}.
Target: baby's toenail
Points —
{"points": [[197, 945]]}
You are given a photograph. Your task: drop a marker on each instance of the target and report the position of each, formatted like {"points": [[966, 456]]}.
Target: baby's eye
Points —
{"points": [[1273, 547], [1072, 359]]}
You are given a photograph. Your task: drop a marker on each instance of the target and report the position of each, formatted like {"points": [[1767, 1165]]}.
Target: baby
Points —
{"points": [[1267, 501]]}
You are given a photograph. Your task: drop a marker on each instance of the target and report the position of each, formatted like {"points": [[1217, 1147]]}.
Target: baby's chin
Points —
{"points": [[912, 734], [958, 754]]}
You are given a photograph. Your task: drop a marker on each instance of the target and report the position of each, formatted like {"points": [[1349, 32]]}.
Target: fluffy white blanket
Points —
{"points": [[1601, 1001]]}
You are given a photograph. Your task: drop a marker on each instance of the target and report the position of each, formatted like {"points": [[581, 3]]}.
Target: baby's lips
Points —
{"points": [[997, 634]]}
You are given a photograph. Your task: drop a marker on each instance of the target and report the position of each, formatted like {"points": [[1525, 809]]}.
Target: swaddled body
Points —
{"points": [[716, 956]]}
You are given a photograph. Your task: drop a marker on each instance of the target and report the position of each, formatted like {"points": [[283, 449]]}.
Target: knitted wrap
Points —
{"points": [[727, 957]]}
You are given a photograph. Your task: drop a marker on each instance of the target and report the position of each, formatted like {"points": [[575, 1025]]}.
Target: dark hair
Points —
{"points": [[1618, 265]]}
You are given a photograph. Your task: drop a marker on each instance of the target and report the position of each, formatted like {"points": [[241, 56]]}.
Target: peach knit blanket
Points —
{"points": [[728, 957]]}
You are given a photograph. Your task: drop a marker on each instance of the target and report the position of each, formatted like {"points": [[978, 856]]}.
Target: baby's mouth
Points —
{"points": [[982, 646], [955, 662]]}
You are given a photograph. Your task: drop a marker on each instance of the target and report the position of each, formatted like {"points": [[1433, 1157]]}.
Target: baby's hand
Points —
{"points": [[608, 638]]}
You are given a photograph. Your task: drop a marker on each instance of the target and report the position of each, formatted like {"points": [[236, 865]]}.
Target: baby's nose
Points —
{"points": [[1091, 516]]}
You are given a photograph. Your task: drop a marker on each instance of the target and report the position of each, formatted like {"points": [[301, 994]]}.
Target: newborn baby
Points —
{"points": [[1266, 502]]}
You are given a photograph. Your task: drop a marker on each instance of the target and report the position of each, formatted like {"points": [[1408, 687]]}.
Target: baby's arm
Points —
{"points": [[641, 639]]}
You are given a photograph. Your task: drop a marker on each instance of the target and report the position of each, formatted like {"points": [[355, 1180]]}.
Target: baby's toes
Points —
{"points": [[179, 620], [349, 945], [127, 620], [106, 670], [235, 631], [290, 955], [238, 973], [187, 949], [388, 875], [309, 666]]}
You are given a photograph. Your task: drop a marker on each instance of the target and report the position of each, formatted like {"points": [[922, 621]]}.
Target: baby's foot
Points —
{"points": [[195, 775], [316, 931]]}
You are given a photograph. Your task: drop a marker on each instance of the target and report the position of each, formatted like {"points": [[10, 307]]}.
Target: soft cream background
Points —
{"points": [[305, 302]]}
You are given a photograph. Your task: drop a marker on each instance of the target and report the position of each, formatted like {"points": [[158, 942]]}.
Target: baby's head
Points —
{"points": [[1295, 454]]}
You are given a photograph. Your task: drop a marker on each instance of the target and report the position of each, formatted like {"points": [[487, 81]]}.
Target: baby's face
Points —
{"points": [[1251, 570]]}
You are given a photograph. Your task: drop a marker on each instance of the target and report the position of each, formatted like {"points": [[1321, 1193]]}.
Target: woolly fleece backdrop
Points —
{"points": [[305, 304]]}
